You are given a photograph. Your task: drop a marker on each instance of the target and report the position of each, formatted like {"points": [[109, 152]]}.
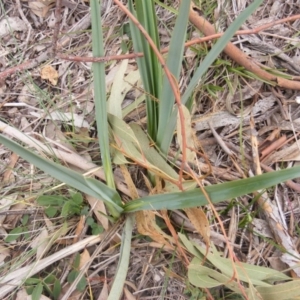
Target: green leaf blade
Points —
{"points": [[217, 192], [174, 64]]}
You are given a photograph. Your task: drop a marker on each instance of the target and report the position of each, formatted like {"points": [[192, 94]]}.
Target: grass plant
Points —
{"points": [[123, 144]]}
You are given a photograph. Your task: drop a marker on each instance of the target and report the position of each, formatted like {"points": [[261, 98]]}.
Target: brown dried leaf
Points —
{"points": [[76, 295], [200, 222], [190, 154], [79, 228], [84, 258], [40, 8], [128, 295], [4, 252], [104, 293], [146, 225], [49, 73], [8, 176], [12, 220], [132, 189]]}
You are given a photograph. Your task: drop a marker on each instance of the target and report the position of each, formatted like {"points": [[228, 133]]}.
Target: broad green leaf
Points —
{"points": [[14, 234], [125, 138], [217, 192], [81, 285], [282, 291], [56, 289], [72, 276], [46, 200], [190, 246], [134, 105], [257, 275], [119, 280], [32, 281], [90, 186], [37, 292], [67, 209], [205, 277], [77, 198], [50, 279], [51, 211]]}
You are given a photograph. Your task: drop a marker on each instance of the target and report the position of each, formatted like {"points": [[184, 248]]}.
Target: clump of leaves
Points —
{"points": [[36, 286], [51, 286], [67, 206]]}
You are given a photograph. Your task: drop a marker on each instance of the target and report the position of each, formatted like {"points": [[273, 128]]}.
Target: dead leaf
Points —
{"points": [[79, 228], [4, 252], [84, 258], [49, 73], [5, 204], [8, 176], [40, 8], [104, 293], [199, 220], [12, 220], [128, 295], [11, 24], [41, 243], [146, 225], [132, 189], [76, 295], [189, 139]]}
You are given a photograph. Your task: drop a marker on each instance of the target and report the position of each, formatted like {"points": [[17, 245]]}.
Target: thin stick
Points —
{"points": [[56, 26]]}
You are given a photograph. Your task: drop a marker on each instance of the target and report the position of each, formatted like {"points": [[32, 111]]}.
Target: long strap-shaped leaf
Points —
{"points": [[217, 192], [209, 59], [149, 67], [174, 64], [120, 277], [100, 93], [89, 186]]}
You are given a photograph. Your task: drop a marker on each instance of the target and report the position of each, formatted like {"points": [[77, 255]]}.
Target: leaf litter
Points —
{"points": [[31, 102]]}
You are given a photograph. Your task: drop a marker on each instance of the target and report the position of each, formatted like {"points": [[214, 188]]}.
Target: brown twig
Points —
{"points": [[56, 26]]}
